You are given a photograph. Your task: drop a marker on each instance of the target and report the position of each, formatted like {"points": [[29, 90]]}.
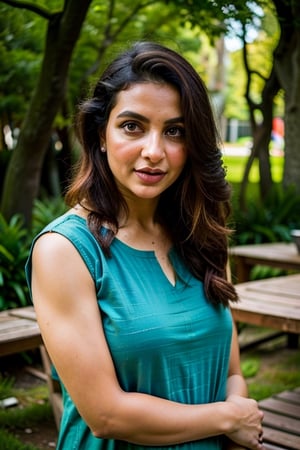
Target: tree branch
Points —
{"points": [[39, 10], [109, 36]]}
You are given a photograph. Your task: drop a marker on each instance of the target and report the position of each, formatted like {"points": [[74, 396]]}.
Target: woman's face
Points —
{"points": [[145, 140]]}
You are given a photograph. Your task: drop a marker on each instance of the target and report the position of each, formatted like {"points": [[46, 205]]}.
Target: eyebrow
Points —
{"points": [[138, 116]]}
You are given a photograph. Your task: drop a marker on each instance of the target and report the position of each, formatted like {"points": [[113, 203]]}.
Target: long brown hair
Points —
{"points": [[195, 208]]}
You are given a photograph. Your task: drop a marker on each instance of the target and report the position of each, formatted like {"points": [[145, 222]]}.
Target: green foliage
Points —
{"points": [[268, 221], [10, 442], [15, 243], [21, 47], [45, 211], [6, 386], [28, 416], [250, 367], [275, 378], [13, 255]]}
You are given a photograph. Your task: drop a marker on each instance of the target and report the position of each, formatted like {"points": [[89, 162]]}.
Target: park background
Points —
{"points": [[51, 53]]}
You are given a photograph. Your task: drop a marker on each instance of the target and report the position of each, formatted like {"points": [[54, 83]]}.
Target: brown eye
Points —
{"points": [[131, 127], [177, 132]]}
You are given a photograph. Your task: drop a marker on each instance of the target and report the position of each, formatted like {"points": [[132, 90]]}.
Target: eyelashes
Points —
{"points": [[134, 128]]}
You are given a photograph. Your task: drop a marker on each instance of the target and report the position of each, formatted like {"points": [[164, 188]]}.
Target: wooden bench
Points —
{"points": [[272, 303], [282, 421], [281, 255], [20, 332]]}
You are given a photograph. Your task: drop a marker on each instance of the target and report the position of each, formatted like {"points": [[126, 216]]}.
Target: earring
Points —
{"points": [[103, 149]]}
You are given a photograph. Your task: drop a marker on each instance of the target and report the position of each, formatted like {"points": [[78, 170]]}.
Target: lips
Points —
{"points": [[149, 175]]}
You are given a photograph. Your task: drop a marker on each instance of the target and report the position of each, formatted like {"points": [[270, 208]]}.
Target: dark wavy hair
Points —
{"points": [[194, 210]]}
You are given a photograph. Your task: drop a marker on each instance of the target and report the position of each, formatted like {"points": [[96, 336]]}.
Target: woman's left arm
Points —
{"points": [[236, 384]]}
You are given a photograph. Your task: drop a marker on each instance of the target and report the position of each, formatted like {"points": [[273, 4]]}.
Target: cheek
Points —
{"points": [[178, 158]]}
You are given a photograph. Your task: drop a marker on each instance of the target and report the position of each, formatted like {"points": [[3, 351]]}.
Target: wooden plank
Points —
{"points": [[273, 447], [281, 422], [277, 291], [290, 396], [265, 293], [286, 440], [272, 303], [285, 408], [22, 345], [27, 312], [18, 334], [13, 329], [283, 253], [266, 320], [268, 305]]}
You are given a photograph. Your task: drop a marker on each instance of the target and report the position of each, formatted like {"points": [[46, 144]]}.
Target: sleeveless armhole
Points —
{"points": [[75, 229]]}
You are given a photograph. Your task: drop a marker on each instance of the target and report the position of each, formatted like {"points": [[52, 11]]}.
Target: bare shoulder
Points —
{"points": [[53, 245], [54, 257]]}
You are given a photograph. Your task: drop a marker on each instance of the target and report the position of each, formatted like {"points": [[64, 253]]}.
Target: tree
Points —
{"points": [[262, 123], [23, 175], [283, 75], [107, 25], [287, 67]]}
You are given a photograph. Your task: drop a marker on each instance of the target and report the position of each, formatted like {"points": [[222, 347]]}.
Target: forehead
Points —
{"points": [[149, 95]]}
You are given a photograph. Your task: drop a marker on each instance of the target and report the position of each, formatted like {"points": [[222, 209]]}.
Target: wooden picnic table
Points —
{"points": [[279, 254], [271, 303], [19, 331]]}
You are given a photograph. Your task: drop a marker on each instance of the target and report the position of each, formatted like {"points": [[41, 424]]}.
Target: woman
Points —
{"points": [[129, 286]]}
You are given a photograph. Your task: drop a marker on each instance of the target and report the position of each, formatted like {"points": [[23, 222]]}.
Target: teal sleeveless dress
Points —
{"points": [[165, 340]]}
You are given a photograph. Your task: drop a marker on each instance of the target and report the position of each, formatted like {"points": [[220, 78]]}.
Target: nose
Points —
{"points": [[153, 147]]}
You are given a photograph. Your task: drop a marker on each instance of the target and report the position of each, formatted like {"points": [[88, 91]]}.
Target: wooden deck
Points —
{"points": [[282, 421]]}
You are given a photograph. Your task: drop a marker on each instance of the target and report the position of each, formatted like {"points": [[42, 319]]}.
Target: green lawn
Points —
{"points": [[235, 167]]}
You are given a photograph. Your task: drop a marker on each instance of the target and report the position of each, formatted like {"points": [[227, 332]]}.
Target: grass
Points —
{"points": [[270, 368], [33, 409], [235, 168], [10, 442]]}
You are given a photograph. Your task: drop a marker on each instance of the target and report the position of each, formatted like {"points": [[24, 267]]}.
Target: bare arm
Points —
{"points": [[68, 315], [237, 390]]}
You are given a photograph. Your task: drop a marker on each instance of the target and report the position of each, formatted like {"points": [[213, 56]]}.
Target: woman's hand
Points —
{"points": [[249, 430]]}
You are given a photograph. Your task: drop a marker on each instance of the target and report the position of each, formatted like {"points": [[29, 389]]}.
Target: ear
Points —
{"points": [[102, 139]]}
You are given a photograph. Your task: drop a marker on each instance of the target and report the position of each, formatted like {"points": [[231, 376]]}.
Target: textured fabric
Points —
{"points": [[165, 340]]}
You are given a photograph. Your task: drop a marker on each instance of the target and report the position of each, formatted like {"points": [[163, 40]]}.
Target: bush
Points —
{"points": [[13, 254], [15, 242], [268, 221], [46, 210]]}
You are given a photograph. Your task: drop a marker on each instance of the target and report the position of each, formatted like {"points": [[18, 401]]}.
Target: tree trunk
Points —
{"points": [[261, 132], [22, 180], [287, 64], [291, 173]]}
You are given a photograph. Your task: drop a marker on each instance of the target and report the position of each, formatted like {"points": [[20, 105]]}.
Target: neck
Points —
{"points": [[141, 214]]}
